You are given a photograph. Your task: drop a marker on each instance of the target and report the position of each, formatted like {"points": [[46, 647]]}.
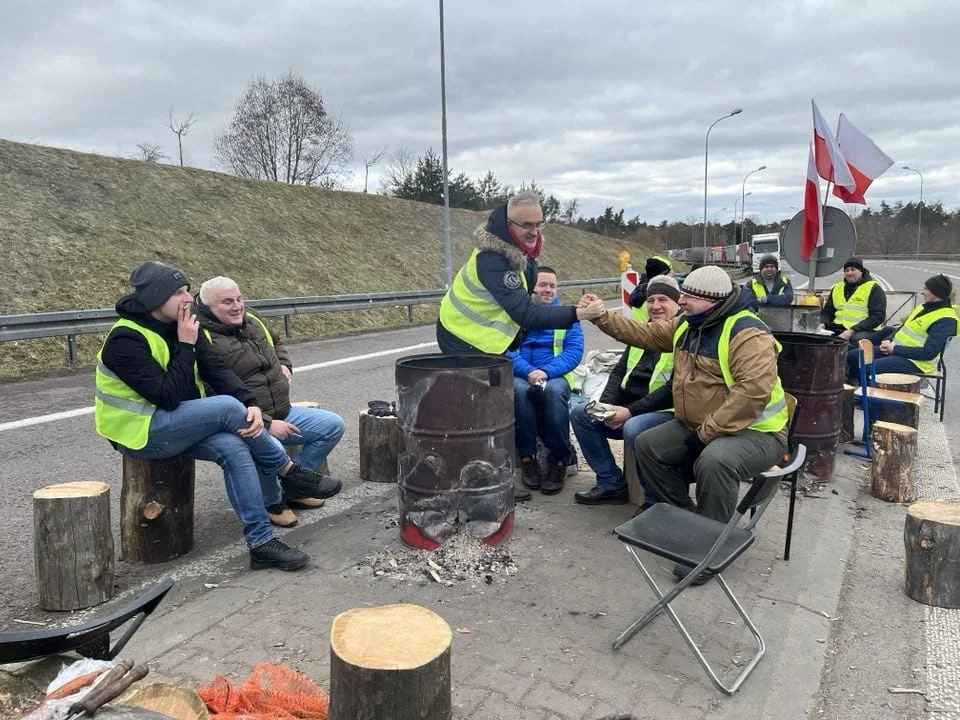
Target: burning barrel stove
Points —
{"points": [[456, 464]]}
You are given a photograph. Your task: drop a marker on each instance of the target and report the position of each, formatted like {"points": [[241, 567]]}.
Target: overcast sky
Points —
{"points": [[607, 102]]}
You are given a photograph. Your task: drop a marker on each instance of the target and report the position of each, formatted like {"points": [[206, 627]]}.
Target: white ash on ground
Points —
{"points": [[461, 559]]}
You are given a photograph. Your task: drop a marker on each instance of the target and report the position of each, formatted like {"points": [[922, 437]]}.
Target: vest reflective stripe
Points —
{"points": [[856, 309], [774, 417], [249, 316], [916, 330], [469, 311], [120, 413], [558, 336], [633, 357], [760, 290], [662, 372]]}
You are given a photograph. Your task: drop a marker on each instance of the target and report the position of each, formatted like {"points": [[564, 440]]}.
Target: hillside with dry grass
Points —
{"points": [[73, 225]]}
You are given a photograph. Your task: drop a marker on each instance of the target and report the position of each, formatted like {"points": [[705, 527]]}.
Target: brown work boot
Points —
{"points": [[556, 474], [530, 472], [281, 515]]}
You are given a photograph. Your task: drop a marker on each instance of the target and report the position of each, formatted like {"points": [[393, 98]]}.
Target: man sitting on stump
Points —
{"points": [[262, 362], [150, 402], [917, 345]]}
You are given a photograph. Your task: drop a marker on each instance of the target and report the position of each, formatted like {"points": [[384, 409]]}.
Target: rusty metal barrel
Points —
{"points": [[456, 464], [813, 368]]}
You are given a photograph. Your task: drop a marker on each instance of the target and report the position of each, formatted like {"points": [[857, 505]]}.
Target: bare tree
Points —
{"points": [[281, 131], [149, 152], [401, 166], [369, 162], [180, 128]]}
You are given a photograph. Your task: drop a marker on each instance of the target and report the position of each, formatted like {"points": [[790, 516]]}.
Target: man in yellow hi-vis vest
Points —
{"points": [[730, 409], [856, 306], [917, 345], [542, 380], [150, 403], [488, 305], [262, 362]]}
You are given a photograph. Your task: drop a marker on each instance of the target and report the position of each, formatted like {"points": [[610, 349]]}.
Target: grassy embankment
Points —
{"points": [[73, 225]]}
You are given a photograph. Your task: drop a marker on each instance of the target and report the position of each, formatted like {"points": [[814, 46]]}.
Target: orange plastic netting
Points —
{"points": [[272, 692]]}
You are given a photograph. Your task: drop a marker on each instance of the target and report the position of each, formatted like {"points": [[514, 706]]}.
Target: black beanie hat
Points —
{"points": [[656, 267], [855, 262], [154, 283], [940, 286]]}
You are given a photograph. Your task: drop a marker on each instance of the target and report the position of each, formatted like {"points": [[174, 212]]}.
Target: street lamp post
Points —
{"points": [[743, 204], [706, 154], [735, 201], [447, 250], [715, 223], [920, 207]]}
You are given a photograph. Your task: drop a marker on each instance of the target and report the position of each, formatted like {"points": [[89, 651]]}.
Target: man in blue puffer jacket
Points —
{"points": [[542, 379]]}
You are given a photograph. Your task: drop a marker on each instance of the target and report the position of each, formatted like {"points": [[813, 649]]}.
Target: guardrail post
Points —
{"points": [[286, 326], [72, 350], [410, 313]]}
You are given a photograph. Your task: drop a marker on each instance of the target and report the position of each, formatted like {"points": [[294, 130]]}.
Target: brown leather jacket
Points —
{"points": [[701, 398], [247, 350]]}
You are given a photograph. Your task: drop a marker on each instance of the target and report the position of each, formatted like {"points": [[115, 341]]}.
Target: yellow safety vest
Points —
{"points": [[469, 311], [774, 417], [120, 413], [915, 331], [760, 290], [558, 336], [856, 309], [662, 370], [249, 316]]}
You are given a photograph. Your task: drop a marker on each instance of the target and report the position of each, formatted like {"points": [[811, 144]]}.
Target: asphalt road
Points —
{"points": [[341, 374]]}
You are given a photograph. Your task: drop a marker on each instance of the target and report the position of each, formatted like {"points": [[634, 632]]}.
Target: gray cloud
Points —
{"points": [[608, 104]]}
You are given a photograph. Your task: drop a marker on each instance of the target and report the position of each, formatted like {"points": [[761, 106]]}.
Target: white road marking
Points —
{"points": [[53, 417]]}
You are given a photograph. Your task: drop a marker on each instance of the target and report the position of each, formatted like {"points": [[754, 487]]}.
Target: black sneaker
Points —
{"points": [[302, 483], [275, 554], [530, 472], [553, 482]]}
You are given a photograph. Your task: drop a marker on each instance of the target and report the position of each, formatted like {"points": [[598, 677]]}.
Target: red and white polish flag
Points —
{"points": [[812, 236], [831, 164], [867, 162]]}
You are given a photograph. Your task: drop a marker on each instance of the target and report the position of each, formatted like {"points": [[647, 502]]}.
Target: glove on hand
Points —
{"points": [[381, 408]]}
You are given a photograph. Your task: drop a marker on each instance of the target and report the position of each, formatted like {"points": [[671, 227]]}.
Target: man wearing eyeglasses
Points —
{"points": [[488, 304]]}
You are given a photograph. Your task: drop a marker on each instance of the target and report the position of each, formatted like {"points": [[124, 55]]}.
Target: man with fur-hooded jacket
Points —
{"points": [[488, 306]]}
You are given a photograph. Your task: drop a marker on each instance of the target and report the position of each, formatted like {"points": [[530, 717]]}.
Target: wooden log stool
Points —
{"points": [[847, 405], [906, 413], [294, 450], [893, 472], [156, 509], [931, 536], [390, 662], [379, 448], [73, 545]]}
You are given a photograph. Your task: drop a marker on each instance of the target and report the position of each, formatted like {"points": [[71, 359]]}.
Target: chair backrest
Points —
{"points": [[866, 364]]}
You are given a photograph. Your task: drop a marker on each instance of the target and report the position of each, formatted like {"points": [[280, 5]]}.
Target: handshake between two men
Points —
{"points": [[590, 307]]}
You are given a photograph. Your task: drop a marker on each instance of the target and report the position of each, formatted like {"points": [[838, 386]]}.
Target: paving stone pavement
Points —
{"points": [[535, 641]]}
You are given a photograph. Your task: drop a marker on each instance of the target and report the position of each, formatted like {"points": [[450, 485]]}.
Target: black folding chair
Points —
{"points": [[90, 639], [708, 547]]}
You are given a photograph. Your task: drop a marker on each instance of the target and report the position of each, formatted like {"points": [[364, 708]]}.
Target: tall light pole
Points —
{"points": [[447, 250], [735, 201], [715, 223], [920, 208], [743, 204], [706, 154]]}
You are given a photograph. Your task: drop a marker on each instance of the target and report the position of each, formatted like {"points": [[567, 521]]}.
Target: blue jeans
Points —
{"points": [[545, 412], [320, 431], [881, 364], [593, 435], [206, 429]]}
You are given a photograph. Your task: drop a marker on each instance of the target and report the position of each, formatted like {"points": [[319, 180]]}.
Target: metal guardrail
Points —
{"points": [[71, 323]]}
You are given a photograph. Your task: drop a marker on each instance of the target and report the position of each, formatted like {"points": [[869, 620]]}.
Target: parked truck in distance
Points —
{"points": [[764, 244]]}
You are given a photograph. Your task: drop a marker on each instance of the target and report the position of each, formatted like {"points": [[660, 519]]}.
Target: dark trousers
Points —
{"points": [[723, 464]]}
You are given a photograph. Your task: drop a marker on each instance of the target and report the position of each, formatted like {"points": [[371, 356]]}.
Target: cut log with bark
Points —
{"points": [[379, 448], [931, 536], [390, 662], [894, 469], [907, 413], [156, 509], [73, 545], [847, 406], [899, 381]]}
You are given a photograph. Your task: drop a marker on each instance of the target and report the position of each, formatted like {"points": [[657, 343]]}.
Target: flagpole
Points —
{"points": [[815, 253]]}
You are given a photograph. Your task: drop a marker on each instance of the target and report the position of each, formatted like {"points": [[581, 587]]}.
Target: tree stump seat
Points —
{"points": [[379, 448], [931, 537], [156, 509]]}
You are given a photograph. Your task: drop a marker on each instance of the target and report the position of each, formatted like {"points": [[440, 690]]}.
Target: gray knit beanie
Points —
{"points": [[708, 282], [154, 283], [664, 285]]}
